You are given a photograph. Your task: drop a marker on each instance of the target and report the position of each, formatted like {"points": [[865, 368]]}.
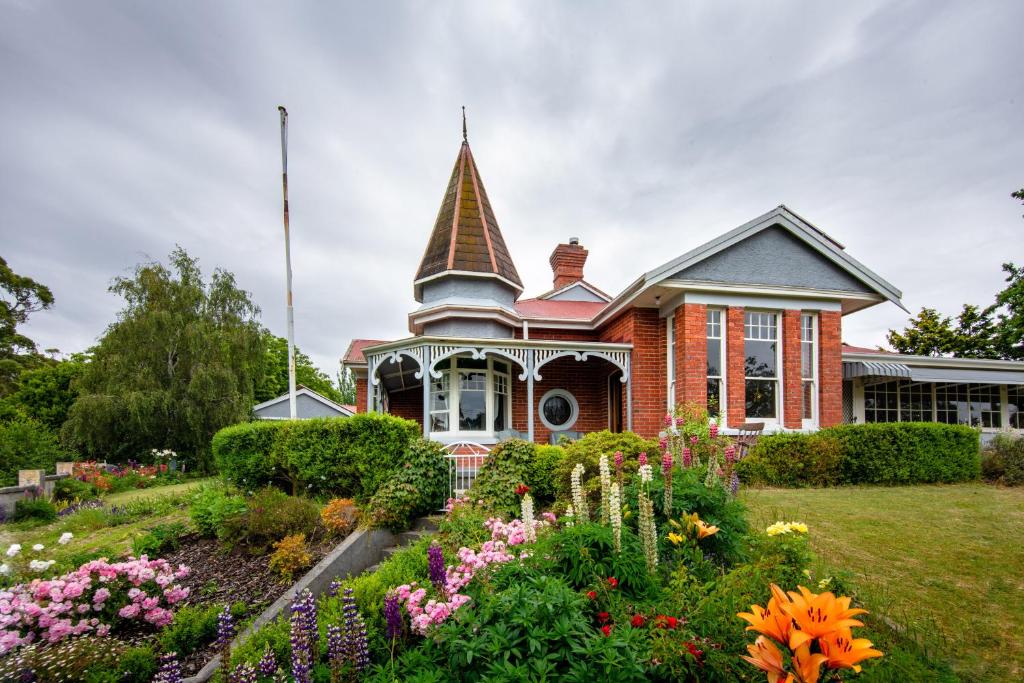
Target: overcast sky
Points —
{"points": [[645, 129]]}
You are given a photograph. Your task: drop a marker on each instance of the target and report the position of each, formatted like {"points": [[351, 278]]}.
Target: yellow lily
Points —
{"points": [[675, 538], [817, 615], [843, 651]]}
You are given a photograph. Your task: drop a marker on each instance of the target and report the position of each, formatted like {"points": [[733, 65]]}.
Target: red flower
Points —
{"points": [[592, 595], [607, 630], [665, 621], [613, 582], [638, 621], [696, 653], [602, 617], [672, 622], [522, 490]]}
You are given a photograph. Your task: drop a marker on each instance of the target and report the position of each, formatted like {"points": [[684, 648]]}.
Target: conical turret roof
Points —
{"points": [[466, 236]]}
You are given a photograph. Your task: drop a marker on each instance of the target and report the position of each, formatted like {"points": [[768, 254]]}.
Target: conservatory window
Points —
{"points": [[439, 405], [1015, 401], [986, 406], [472, 395], [881, 402], [952, 405], [716, 369], [761, 364]]}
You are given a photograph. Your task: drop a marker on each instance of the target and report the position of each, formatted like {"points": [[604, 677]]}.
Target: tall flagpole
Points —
{"points": [[288, 263]]}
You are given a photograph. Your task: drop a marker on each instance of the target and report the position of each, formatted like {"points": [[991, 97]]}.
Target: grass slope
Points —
{"points": [[944, 562]]}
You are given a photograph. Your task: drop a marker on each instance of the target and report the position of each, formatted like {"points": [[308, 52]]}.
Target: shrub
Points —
{"points": [[543, 473], [290, 555], [505, 468], [27, 444], [588, 451], [340, 515], [463, 525], [159, 539], [1002, 460], [211, 506], [892, 453], [34, 508], [417, 486], [584, 555], [137, 665], [69, 489], [794, 459], [350, 456], [194, 627], [269, 516]]}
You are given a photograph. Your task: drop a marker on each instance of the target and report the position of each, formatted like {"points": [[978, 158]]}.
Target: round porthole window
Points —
{"points": [[559, 410]]}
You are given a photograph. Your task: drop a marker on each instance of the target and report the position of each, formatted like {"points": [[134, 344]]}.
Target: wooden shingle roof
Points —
{"points": [[466, 236]]}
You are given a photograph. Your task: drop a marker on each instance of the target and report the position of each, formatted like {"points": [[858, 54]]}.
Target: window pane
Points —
{"points": [[915, 402], [472, 400], [881, 402], [439, 404], [714, 398], [714, 358], [759, 358], [761, 398], [986, 406], [1015, 400], [500, 401], [557, 410], [951, 404], [808, 396]]}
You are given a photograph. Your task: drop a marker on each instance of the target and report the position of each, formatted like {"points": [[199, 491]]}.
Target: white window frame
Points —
{"points": [[573, 403], [812, 421], [670, 362], [779, 384], [452, 371], [723, 384]]}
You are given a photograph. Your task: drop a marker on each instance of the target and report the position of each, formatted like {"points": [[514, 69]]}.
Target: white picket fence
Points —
{"points": [[464, 461]]}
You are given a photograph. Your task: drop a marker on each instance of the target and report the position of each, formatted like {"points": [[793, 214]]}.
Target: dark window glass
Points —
{"points": [[760, 358], [714, 398], [808, 396], [557, 410], [472, 400], [761, 398], [1015, 396], [714, 357]]}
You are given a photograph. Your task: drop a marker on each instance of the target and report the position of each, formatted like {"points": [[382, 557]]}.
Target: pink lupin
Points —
{"points": [[687, 457], [642, 458], [693, 440], [730, 453], [618, 460], [666, 462], [713, 430]]}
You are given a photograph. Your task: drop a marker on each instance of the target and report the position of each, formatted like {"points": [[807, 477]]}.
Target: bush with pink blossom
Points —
{"points": [[95, 598]]}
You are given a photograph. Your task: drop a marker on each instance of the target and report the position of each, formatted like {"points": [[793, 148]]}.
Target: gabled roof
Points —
{"points": [[354, 352], [544, 309], [301, 390], [579, 283], [466, 238], [814, 237]]}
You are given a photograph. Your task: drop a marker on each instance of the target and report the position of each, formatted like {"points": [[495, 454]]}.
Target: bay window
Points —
{"points": [[471, 396], [808, 367], [716, 364], [761, 364]]}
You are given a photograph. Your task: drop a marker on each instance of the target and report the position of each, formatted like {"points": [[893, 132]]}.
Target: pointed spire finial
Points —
{"points": [[465, 136]]}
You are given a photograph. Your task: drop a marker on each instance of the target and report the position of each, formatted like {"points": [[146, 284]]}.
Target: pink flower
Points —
{"points": [[102, 629], [642, 458], [694, 440], [129, 611]]}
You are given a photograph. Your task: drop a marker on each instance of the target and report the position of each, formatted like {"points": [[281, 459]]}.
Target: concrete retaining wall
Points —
{"points": [[29, 482]]}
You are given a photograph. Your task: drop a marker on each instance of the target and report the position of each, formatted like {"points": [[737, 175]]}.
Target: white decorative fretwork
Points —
{"points": [[375, 361], [619, 359]]}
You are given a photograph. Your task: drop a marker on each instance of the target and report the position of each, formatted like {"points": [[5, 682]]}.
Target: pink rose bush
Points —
{"points": [[90, 599]]}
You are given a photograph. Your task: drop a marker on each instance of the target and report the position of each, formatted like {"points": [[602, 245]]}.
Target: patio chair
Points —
{"points": [[746, 436]]}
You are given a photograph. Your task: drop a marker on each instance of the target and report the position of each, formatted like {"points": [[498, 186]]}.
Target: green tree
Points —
{"points": [[929, 333], [274, 382], [20, 296], [347, 386], [180, 362], [1009, 311], [26, 444], [47, 392]]}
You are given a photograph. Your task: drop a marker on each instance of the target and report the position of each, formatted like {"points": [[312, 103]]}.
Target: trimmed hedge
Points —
{"points": [[348, 456], [890, 453]]}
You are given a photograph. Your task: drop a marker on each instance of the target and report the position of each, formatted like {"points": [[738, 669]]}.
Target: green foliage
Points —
{"points": [[34, 508], [194, 627], [588, 451], [274, 381], [464, 526], [138, 664], [931, 334], [793, 459], [584, 556], [69, 488], [269, 516], [417, 487], [543, 473], [1002, 460], [26, 444], [179, 363], [348, 456], [506, 467], [211, 507], [20, 296], [884, 453], [159, 539], [47, 391]]}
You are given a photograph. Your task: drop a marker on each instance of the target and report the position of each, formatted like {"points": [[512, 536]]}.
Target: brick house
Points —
{"points": [[748, 325]]}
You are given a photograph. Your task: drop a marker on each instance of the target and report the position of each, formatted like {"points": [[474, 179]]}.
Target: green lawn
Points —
{"points": [[945, 562], [155, 492]]}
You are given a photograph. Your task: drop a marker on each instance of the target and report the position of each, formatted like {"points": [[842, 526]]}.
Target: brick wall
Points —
{"points": [[407, 404], [360, 394], [830, 368], [792, 392], [586, 380], [646, 331], [559, 335], [691, 356], [735, 371]]}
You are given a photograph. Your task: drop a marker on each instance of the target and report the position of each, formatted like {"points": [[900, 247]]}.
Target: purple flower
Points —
{"points": [[335, 646], [334, 588], [734, 483], [225, 629], [304, 635], [170, 669], [355, 633], [268, 663], [393, 616], [435, 565], [243, 673]]}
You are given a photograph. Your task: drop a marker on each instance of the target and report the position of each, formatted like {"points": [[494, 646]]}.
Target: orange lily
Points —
{"points": [[770, 620], [704, 530], [766, 657], [817, 615], [808, 666], [843, 651]]}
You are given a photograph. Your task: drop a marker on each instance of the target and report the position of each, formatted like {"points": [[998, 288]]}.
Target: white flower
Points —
{"points": [[65, 538], [646, 473], [38, 547], [40, 565], [14, 549], [5, 569]]}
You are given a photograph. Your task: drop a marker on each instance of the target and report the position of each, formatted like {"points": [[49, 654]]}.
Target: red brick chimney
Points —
{"points": [[567, 262]]}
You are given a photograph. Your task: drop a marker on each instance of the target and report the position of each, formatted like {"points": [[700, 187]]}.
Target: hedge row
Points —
{"points": [[893, 453], [348, 457]]}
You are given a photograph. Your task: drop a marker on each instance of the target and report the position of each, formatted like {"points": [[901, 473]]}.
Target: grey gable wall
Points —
{"points": [[576, 293], [773, 257], [305, 406]]}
